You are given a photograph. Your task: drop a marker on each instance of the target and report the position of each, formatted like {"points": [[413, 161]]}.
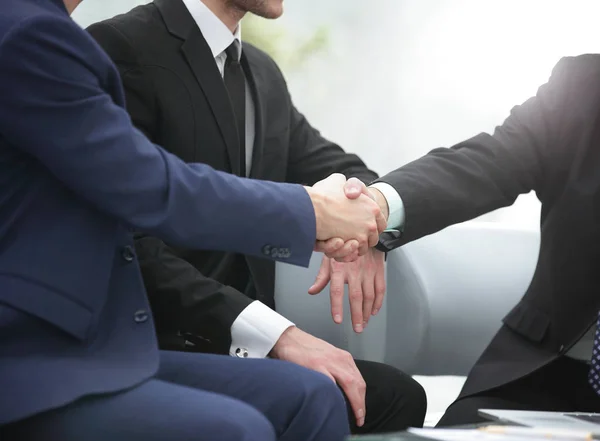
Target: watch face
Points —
{"points": [[395, 234], [387, 240]]}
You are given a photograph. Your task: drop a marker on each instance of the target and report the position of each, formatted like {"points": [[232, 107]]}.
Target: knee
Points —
{"points": [[400, 401], [247, 424], [416, 402], [319, 402], [316, 390]]}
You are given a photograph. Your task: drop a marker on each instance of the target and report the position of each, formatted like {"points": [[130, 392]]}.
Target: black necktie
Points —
{"points": [[235, 83]]}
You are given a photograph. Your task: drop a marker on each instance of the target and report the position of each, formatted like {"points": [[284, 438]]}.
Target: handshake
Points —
{"points": [[350, 216]]}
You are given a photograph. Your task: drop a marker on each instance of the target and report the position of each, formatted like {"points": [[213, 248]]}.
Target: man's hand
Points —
{"points": [[347, 251], [345, 219], [298, 347], [366, 286]]}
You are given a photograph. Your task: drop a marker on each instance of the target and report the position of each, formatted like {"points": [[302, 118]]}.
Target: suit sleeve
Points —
{"points": [[487, 172], [54, 107], [312, 157]]}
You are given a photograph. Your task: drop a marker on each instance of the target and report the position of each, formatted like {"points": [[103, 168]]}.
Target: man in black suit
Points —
{"points": [[546, 354], [192, 88]]}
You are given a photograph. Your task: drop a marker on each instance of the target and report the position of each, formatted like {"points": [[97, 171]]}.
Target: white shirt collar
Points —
{"points": [[217, 35]]}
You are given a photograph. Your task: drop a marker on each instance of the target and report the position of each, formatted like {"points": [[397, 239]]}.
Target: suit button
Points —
{"points": [[141, 316], [267, 250], [241, 353], [562, 348], [128, 254]]}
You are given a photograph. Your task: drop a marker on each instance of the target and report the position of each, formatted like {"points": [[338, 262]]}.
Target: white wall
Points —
{"points": [[404, 76]]}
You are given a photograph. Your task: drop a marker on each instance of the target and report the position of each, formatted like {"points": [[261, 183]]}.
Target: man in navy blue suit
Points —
{"points": [[78, 355]]}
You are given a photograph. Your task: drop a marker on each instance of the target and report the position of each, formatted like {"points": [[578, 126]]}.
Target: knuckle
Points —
{"points": [[336, 266], [355, 295], [335, 292], [361, 385], [348, 380], [376, 210]]}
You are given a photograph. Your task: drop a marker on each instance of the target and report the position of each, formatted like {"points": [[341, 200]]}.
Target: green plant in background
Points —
{"points": [[273, 38]]}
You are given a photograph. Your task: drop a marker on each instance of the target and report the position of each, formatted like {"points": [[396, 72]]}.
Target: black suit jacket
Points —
{"points": [[550, 144], [176, 95]]}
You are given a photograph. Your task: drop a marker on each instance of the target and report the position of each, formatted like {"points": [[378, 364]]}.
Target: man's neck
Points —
{"points": [[227, 14], [71, 5]]}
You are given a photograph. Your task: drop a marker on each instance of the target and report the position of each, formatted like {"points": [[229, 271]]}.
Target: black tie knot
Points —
{"points": [[232, 53]]}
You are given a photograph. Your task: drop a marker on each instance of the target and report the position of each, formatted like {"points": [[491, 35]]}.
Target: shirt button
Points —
{"points": [[141, 316], [241, 353], [128, 254]]}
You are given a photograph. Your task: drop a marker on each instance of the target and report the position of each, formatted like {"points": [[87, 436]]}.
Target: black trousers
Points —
{"points": [[560, 386], [394, 400]]}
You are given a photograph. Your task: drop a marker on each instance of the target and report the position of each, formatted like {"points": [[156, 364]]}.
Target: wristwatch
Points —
{"points": [[388, 240]]}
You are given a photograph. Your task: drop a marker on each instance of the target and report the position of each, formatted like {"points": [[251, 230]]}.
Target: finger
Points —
{"points": [[336, 294], [381, 222], [368, 290], [380, 285], [355, 297], [348, 253], [350, 257], [330, 246], [325, 372], [322, 277], [372, 241], [354, 388]]}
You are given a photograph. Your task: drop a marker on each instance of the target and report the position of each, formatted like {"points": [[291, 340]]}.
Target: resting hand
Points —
{"points": [[366, 286], [298, 347]]}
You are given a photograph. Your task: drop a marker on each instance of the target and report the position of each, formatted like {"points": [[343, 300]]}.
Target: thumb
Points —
{"points": [[355, 187]]}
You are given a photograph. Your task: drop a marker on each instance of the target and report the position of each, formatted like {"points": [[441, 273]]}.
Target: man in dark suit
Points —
{"points": [[545, 356], [193, 87], [79, 358]]}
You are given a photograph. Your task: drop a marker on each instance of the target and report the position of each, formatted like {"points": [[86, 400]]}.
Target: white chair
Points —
{"points": [[446, 295]]}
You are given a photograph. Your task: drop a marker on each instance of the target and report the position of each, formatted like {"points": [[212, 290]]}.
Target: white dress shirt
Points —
{"points": [[256, 330]]}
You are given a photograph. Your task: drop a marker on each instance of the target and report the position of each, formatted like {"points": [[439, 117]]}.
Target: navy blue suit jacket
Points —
{"points": [[76, 178]]}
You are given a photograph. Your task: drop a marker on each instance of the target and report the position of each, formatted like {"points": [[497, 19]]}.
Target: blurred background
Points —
{"points": [[392, 79]]}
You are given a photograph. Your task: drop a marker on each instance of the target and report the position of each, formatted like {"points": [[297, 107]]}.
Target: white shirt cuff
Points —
{"points": [[256, 330], [395, 204]]}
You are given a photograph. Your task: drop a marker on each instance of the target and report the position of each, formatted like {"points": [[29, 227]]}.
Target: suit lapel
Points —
{"points": [[256, 83], [197, 53]]}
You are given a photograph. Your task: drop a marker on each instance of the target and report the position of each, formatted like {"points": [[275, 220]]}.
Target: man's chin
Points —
{"points": [[272, 10]]}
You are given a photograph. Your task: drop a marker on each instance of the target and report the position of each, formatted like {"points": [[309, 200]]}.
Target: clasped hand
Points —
{"points": [[349, 220]]}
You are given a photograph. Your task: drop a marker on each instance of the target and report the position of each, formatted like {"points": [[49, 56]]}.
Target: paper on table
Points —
{"points": [[465, 435]]}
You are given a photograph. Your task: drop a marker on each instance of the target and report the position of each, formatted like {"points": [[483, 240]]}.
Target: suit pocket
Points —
{"points": [[528, 321], [43, 302]]}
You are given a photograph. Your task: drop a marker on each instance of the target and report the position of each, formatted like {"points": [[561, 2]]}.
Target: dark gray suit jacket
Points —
{"points": [[550, 144]]}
